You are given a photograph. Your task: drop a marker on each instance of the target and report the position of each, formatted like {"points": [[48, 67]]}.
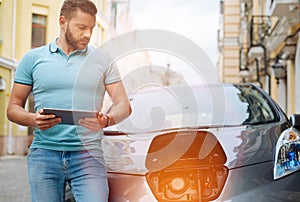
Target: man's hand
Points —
{"points": [[43, 122], [95, 124]]}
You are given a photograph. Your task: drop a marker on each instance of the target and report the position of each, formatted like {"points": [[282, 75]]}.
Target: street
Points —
{"points": [[13, 174]]}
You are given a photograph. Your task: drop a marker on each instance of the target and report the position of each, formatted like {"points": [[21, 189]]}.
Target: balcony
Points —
{"points": [[260, 27], [284, 8]]}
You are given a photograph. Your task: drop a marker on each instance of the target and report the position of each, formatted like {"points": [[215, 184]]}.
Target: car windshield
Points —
{"points": [[160, 108]]}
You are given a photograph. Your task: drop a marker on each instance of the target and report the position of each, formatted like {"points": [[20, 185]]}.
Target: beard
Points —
{"points": [[72, 41]]}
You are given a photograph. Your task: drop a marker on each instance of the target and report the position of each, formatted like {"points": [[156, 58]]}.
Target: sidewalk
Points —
{"points": [[13, 179]]}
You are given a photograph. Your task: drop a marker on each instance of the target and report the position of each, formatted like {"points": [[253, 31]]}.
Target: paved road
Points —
{"points": [[13, 179]]}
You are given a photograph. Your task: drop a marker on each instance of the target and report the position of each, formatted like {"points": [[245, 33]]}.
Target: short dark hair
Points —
{"points": [[70, 6]]}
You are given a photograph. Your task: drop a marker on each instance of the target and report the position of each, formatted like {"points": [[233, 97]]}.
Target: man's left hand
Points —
{"points": [[94, 124]]}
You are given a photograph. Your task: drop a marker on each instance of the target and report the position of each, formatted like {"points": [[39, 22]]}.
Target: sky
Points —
{"points": [[197, 20]]}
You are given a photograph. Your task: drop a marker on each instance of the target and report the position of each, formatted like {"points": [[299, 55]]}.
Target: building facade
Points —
{"points": [[259, 42], [25, 25]]}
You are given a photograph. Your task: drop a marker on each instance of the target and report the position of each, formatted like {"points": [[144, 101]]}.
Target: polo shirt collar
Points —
{"points": [[53, 48]]}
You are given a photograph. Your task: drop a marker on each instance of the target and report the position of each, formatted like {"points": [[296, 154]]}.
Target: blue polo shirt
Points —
{"points": [[76, 81]]}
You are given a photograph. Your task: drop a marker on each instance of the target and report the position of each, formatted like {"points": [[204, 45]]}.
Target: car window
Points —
{"points": [[197, 106], [259, 109]]}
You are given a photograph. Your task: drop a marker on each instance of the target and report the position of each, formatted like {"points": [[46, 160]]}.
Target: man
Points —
{"points": [[63, 153]]}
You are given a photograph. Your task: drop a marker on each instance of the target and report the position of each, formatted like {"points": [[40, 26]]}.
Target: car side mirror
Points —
{"points": [[295, 121]]}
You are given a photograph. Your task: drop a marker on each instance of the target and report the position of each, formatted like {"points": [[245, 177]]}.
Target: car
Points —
{"points": [[203, 142], [222, 142]]}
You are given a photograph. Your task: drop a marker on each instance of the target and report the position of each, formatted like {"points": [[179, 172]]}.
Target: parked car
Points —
{"points": [[219, 142]]}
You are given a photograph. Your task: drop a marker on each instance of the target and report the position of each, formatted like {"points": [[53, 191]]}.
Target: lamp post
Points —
{"points": [[279, 70]]}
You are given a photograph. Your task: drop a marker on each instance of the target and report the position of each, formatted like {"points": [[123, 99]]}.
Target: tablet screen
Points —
{"points": [[70, 116]]}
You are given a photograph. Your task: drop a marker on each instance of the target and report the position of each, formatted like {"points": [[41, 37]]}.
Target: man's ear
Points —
{"points": [[62, 20]]}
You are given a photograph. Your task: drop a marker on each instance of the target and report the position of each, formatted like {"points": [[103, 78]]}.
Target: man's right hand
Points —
{"points": [[43, 122]]}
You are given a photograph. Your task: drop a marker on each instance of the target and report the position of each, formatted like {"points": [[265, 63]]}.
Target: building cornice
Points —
{"points": [[6, 63]]}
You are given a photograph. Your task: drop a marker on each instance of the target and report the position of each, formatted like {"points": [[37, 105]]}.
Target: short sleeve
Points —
{"points": [[112, 74], [24, 70]]}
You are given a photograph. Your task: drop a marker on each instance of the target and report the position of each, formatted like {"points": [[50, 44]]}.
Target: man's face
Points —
{"points": [[78, 30]]}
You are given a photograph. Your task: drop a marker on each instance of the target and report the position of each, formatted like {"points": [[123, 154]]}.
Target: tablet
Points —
{"points": [[70, 117]]}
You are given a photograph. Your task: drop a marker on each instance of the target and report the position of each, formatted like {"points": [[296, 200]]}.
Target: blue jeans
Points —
{"points": [[49, 171]]}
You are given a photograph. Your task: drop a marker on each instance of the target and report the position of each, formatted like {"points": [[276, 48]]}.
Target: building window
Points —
{"points": [[222, 7], [38, 36]]}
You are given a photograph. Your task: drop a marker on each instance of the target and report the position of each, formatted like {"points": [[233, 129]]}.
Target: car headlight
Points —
{"points": [[287, 159]]}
